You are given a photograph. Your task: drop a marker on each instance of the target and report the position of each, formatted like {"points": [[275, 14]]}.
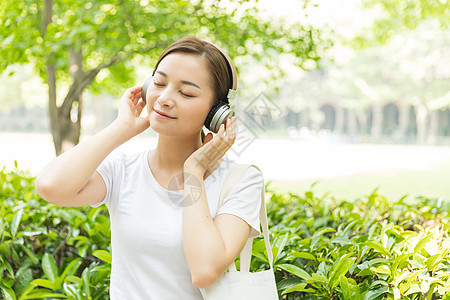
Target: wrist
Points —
{"points": [[121, 130], [196, 170]]}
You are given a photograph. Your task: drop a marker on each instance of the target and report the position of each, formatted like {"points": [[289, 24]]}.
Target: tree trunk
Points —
{"points": [[434, 127], [352, 124], [402, 130], [339, 120], [52, 108], [377, 122], [65, 131], [421, 120], [70, 125], [65, 125]]}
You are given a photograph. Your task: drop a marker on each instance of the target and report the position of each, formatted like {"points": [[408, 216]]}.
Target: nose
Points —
{"points": [[165, 98]]}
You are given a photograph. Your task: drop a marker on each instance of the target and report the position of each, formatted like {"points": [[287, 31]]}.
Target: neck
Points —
{"points": [[172, 151]]}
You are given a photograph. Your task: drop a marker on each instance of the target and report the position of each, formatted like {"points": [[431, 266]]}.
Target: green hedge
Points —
{"points": [[323, 248]]}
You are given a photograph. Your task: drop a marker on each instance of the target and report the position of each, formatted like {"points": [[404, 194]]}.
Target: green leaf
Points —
{"points": [[74, 279], [15, 222], [49, 267], [305, 255], [371, 295], [43, 294], [8, 292], [365, 272], [71, 268], [340, 267], [383, 269], [341, 240], [280, 244], [7, 282], [434, 260], [299, 288], [295, 271], [415, 288], [317, 278], [422, 243], [86, 283], [44, 283], [288, 283], [30, 254], [24, 277], [318, 235], [103, 255], [8, 267], [2, 227], [378, 247], [345, 287]]}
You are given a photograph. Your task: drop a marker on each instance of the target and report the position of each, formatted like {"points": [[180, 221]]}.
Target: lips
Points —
{"points": [[163, 114]]}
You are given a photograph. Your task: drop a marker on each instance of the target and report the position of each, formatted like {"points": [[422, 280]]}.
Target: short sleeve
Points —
{"points": [[244, 200], [108, 170]]}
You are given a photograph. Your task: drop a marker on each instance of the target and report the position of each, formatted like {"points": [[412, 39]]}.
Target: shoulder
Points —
{"points": [[246, 171], [118, 156], [240, 177], [118, 161]]}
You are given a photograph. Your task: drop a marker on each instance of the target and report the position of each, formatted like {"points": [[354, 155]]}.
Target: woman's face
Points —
{"points": [[180, 89]]}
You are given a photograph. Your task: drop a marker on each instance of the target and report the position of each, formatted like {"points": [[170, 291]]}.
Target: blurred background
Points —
{"points": [[339, 96]]}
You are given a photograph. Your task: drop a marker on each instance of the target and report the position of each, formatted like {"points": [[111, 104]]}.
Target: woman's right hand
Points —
{"points": [[130, 108]]}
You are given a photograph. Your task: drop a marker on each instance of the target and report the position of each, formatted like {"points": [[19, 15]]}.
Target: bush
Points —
{"points": [[323, 248], [366, 249], [48, 251]]}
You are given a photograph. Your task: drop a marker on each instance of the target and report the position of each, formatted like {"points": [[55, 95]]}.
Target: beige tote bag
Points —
{"points": [[243, 285]]}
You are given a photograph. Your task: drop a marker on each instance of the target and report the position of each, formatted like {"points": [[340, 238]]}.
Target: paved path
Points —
{"points": [[279, 159]]}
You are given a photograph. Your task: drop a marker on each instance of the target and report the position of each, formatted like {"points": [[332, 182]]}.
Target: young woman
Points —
{"points": [[163, 248]]}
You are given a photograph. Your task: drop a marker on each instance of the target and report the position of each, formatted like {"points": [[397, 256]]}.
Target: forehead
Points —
{"points": [[183, 66]]}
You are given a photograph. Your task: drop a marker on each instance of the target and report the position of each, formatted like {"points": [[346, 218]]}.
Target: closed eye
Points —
{"points": [[186, 95], [160, 85]]}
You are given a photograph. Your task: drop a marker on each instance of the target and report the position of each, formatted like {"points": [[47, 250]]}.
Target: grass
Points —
{"points": [[433, 183]]}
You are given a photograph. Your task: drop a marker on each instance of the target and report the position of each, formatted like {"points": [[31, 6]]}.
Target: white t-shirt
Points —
{"points": [[148, 260]]}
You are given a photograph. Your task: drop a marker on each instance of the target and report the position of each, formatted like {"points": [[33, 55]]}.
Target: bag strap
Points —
{"points": [[233, 177]]}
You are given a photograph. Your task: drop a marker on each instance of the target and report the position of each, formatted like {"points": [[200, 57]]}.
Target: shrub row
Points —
{"points": [[323, 248]]}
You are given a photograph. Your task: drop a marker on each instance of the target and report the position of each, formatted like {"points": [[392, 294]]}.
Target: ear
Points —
{"points": [[208, 137]]}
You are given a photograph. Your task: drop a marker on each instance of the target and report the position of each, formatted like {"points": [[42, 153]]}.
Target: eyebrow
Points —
{"points": [[182, 81]]}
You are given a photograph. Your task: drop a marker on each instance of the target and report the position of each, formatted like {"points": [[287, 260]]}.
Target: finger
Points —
{"points": [[229, 127], [139, 107], [230, 133], [135, 89], [135, 97], [233, 128], [220, 129]]}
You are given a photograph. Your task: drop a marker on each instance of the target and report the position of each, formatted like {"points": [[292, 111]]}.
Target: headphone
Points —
{"points": [[220, 112]]}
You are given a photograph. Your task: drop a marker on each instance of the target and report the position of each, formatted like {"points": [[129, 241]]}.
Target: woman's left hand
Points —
{"points": [[209, 156]]}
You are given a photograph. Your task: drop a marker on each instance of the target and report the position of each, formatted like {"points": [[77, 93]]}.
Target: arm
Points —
{"points": [[210, 246], [71, 178]]}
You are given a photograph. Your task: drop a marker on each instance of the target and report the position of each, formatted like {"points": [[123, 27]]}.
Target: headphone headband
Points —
{"points": [[232, 91]]}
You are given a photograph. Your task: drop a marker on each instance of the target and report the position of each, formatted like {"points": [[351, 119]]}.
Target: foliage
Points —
{"points": [[323, 248], [399, 16], [110, 33], [48, 251], [367, 249], [75, 45]]}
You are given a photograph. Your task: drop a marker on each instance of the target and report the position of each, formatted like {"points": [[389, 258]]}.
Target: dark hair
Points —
{"points": [[220, 74]]}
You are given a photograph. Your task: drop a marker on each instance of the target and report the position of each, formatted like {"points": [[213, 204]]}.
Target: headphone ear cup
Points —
{"points": [[217, 116], [144, 88]]}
